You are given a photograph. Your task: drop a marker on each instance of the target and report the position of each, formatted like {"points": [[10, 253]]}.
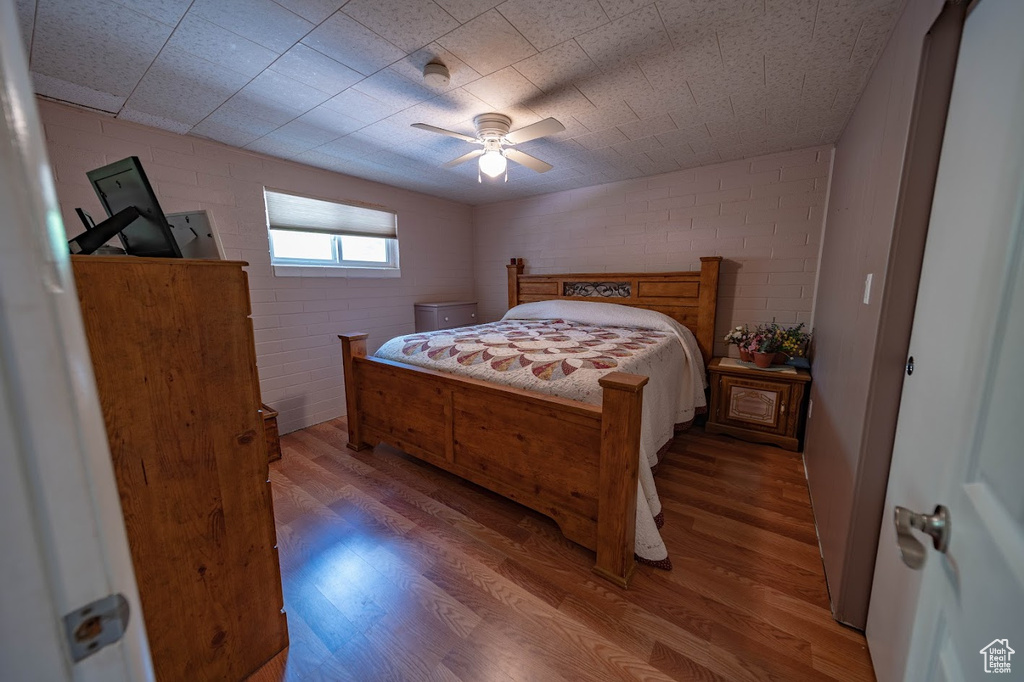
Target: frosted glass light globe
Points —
{"points": [[492, 163]]}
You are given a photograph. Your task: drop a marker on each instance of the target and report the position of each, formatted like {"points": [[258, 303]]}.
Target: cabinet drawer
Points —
{"points": [[434, 316], [456, 316], [754, 404]]}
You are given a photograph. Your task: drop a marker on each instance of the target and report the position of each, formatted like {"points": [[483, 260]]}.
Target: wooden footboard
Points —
{"points": [[574, 462]]}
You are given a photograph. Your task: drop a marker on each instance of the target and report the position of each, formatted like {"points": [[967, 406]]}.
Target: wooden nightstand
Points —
{"points": [[758, 405]]}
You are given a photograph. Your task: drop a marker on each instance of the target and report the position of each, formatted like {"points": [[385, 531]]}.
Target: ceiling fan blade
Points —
{"points": [[531, 162], [548, 126], [442, 131], [464, 158]]}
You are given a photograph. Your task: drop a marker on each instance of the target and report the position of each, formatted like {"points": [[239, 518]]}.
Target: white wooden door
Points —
{"points": [[62, 537], [960, 437]]}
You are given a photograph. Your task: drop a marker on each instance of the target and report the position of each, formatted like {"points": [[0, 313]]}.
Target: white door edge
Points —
{"points": [[51, 421]]}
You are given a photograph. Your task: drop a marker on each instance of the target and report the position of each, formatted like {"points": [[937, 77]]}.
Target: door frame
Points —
{"points": [[63, 532]]}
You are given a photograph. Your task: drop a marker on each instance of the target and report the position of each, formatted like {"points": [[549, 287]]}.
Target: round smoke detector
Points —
{"points": [[436, 74]]}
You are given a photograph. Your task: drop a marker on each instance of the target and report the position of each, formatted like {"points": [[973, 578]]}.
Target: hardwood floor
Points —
{"points": [[393, 569]]}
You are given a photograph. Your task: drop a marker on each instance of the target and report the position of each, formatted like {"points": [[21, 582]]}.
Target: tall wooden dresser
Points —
{"points": [[172, 348]]}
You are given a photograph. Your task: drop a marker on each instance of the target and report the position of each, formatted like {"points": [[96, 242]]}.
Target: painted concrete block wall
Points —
{"points": [[296, 319], [763, 215]]}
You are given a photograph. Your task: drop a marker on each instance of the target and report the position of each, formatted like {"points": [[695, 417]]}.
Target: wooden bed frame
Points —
{"points": [[572, 461]]}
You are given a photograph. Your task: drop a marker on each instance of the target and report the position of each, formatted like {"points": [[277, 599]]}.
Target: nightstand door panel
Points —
{"points": [[753, 404]]}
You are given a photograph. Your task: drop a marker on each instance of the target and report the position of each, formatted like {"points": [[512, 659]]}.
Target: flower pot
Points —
{"points": [[763, 360], [745, 355], [780, 358]]}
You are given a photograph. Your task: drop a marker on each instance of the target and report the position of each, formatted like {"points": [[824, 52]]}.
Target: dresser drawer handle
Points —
{"points": [[446, 319], [472, 315]]}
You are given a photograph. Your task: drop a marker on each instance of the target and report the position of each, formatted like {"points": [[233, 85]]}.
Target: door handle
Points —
{"points": [[936, 525]]}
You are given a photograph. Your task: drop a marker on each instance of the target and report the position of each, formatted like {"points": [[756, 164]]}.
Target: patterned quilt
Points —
{"points": [[558, 357]]}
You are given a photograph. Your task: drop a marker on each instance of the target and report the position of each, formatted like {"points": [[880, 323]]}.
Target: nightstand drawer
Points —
{"points": [[433, 316], [757, 405], [752, 404], [457, 316]]}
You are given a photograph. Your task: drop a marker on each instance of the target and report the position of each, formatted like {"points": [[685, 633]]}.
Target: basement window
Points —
{"points": [[316, 237]]}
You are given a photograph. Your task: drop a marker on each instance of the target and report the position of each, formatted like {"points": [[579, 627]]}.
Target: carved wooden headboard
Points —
{"points": [[690, 298]]}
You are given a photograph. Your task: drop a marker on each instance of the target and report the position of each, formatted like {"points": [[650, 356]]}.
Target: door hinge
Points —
{"points": [[96, 625]]}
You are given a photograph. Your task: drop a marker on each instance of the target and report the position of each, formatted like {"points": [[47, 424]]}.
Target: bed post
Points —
{"points": [[617, 479], [515, 268], [352, 346], [708, 302]]}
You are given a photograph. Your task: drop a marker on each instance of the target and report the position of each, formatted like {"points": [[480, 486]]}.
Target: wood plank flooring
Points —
{"points": [[395, 570]]}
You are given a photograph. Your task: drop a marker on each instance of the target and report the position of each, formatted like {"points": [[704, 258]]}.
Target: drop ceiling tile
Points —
{"points": [[728, 80], [408, 24], [546, 24], [393, 89], [640, 146], [317, 70], [236, 136], [312, 10], [153, 120], [620, 8], [685, 136], [503, 88], [250, 113], [58, 89], [272, 87], [564, 103], [220, 46], [82, 43], [607, 116], [632, 35], [387, 131], [319, 126], [343, 39], [359, 106], [412, 67], [464, 10], [276, 146], [612, 87], [168, 12], [653, 103], [262, 21], [647, 127], [450, 108], [184, 88], [487, 43], [556, 67], [604, 138], [351, 146]]}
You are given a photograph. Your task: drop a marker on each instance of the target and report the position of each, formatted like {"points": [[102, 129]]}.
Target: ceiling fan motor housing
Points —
{"points": [[492, 126]]}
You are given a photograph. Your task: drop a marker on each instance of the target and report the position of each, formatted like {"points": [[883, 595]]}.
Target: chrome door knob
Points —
{"points": [[936, 525]]}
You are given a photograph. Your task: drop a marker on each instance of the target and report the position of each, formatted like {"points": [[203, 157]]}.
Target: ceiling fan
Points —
{"points": [[492, 132]]}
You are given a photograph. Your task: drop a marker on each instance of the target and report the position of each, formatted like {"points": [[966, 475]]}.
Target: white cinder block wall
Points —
{"points": [[763, 215], [296, 319]]}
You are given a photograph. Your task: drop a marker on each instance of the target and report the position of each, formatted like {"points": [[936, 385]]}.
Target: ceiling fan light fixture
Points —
{"points": [[493, 163]]}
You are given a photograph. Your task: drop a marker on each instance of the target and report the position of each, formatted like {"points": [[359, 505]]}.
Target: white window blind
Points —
{"points": [[296, 213]]}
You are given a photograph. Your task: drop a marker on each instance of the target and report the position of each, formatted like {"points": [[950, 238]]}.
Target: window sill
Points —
{"points": [[334, 271]]}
